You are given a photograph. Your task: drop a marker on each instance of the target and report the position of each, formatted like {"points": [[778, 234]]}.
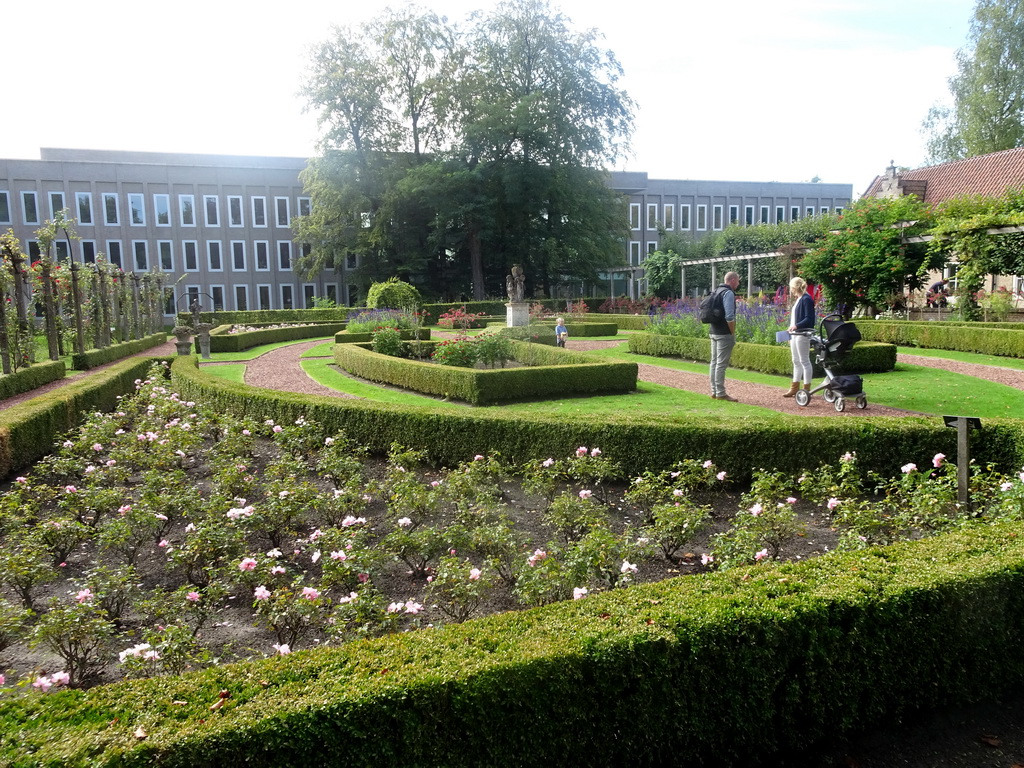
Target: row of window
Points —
{"points": [[264, 296], [665, 215], [240, 256], [137, 213]]}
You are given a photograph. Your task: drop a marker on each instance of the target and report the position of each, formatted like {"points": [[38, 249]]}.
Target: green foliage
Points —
{"points": [[459, 588], [460, 351], [388, 341], [981, 338], [866, 261], [78, 633], [393, 294]]}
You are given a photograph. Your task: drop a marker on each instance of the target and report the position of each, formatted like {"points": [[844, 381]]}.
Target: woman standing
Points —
{"points": [[801, 325]]}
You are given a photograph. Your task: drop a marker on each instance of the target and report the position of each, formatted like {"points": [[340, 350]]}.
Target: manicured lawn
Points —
{"points": [[965, 357], [231, 372]]}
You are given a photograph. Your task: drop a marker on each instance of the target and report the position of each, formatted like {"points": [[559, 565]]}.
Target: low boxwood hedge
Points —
{"points": [[346, 337], [725, 667], [29, 429], [981, 338], [27, 379], [581, 328], [624, 322], [654, 442], [551, 373], [865, 357], [238, 342], [94, 358]]}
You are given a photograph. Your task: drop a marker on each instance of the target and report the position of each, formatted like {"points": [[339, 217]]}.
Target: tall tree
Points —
{"points": [[988, 90]]}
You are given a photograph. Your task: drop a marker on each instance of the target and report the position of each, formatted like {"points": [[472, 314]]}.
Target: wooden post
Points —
{"points": [[963, 462]]}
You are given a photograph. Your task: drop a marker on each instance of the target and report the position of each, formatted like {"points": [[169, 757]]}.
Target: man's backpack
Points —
{"points": [[711, 309]]}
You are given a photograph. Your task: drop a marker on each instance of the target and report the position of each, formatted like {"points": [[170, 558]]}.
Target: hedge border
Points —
{"points": [[865, 357], [346, 337], [553, 372], [93, 358], [733, 665], [787, 443], [984, 339], [239, 342], [27, 379]]}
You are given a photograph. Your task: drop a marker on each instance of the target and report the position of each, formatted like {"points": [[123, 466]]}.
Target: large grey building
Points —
{"points": [[220, 226]]}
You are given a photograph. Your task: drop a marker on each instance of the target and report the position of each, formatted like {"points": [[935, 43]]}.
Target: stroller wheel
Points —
{"points": [[803, 397], [840, 404], [829, 395], [862, 402]]}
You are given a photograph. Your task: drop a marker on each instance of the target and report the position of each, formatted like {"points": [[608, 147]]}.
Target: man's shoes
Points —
{"points": [[727, 398]]}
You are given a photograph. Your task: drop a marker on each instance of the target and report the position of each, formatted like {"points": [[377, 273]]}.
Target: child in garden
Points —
{"points": [[561, 332]]}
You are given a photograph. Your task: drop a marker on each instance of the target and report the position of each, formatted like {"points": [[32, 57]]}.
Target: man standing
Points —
{"points": [[723, 336]]}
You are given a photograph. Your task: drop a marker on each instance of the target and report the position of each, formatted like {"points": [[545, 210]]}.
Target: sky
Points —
{"points": [[746, 90]]}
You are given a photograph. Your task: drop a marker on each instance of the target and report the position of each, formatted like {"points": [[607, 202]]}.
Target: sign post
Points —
{"points": [[963, 425]]}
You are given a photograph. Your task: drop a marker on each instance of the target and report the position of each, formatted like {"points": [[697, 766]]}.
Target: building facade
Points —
{"points": [[219, 226]]}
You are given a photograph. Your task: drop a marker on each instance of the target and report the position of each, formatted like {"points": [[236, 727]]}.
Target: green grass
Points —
{"points": [[231, 372], [254, 352], [320, 350], [324, 372]]}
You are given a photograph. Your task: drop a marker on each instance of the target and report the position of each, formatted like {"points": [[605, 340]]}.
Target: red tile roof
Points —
{"points": [[988, 175]]}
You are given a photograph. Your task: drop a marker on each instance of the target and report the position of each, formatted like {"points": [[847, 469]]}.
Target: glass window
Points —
{"points": [[634, 253], [734, 214], [241, 297], [5, 208], [166, 250], [702, 217], [824, 209], [210, 204], [304, 206], [111, 212], [137, 210], [141, 255], [262, 255], [217, 292], [652, 246], [810, 210], [634, 215], [794, 213], [190, 253], [716, 217], [238, 255], [235, 211], [213, 255], [61, 247], [652, 216], [259, 212], [29, 210], [56, 203], [286, 297], [764, 214], [332, 292], [113, 253], [83, 202], [748, 215], [187, 210], [780, 214], [684, 217], [839, 209], [264, 296], [283, 211], [170, 302], [284, 257], [162, 210], [308, 294], [351, 261], [670, 218]]}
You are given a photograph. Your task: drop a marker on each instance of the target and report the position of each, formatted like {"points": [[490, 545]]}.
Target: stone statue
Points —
{"points": [[515, 284], [195, 309]]}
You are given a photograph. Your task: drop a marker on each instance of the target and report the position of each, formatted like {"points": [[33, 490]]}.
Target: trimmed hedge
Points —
{"points": [[28, 430], [727, 667], [239, 342], [552, 372], [269, 316], [27, 379], [865, 357], [581, 329], [625, 322], [93, 358], [344, 337], [450, 436], [982, 338]]}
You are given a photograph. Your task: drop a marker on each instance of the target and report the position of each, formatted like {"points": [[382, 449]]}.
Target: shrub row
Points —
{"points": [[345, 337], [552, 372], [865, 357], [729, 666], [29, 429], [94, 358], [27, 379], [972, 337], [625, 322], [450, 436], [582, 329], [238, 342]]}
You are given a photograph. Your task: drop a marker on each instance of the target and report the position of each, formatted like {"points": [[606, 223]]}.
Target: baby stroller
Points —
{"points": [[835, 337]]}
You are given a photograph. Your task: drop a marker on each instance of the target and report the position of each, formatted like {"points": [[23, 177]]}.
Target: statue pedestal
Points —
{"points": [[517, 313]]}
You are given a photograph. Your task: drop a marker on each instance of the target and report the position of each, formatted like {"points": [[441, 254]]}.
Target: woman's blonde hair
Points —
{"points": [[798, 284]]}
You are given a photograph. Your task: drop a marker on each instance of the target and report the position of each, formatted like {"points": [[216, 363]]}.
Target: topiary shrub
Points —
{"points": [[392, 294]]}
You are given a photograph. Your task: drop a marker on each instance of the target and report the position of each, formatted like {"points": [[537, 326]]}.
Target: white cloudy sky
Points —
{"points": [[757, 90]]}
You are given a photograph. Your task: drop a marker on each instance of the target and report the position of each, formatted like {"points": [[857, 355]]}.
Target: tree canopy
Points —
{"points": [[449, 153], [987, 114]]}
